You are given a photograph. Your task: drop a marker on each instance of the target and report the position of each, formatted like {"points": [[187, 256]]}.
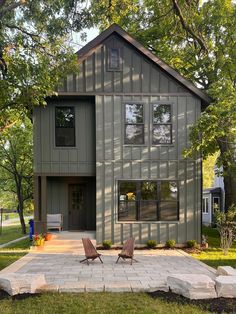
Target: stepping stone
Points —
{"points": [[226, 286], [192, 286], [226, 271], [15, 283]]}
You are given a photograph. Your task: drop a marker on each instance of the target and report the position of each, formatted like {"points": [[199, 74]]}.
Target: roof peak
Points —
{"points": [[91, 46]]}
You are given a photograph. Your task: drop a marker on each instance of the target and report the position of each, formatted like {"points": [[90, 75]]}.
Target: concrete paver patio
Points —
{"points": [[64, 273]]}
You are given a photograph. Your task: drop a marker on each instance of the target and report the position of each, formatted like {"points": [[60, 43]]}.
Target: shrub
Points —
{"points": [[191, 243], [226, 225], [170, 244], [107, 244], [151, 244]]}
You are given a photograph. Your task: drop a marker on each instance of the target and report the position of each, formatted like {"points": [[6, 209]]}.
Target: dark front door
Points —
{"points": [[77, 207]]}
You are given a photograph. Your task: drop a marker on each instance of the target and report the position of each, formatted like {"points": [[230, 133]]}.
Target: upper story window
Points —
{"points": [[148, 201], [134, 124], [65, 126], [162, 124], [114, 59]]}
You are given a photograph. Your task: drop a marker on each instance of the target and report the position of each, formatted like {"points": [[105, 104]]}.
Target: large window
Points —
{"points": [[148, 201], [162, 127], [134, 124], [65, 126]]}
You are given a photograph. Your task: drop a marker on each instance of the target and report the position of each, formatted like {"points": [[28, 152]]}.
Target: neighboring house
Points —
{"points": [[212, 200], [108, 150]]}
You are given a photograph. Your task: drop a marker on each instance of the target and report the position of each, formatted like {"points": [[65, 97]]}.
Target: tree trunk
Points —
{"points": [[229, 176], [20, 206], [21, 215], [230, 190]]}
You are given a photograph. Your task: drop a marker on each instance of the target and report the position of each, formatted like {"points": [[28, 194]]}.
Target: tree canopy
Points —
{"points": [[35, 50], [16, 166], [198, 39]]}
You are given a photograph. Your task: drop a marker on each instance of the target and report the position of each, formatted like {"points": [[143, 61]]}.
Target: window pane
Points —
{"points": [[161, 134], [127, 210], [148, 190], [127, 191], [169, 191], [133, 113], [134, 134], [161, 114], [168, 211], [148, 210], [65, 117], [65, 137], [114, 58]]}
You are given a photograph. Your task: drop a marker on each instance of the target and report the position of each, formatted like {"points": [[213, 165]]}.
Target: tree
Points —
{"points": [[209, 171], [35, 51], [16, 173], [198, 40], [226, 225]]}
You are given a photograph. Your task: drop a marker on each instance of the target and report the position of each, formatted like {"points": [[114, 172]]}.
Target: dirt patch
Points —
{"points": [[218, 305]]}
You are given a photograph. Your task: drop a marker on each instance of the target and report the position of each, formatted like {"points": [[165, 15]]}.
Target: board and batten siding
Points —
{"points": [[140, 80], [52, 160], [116, 161], [138, 74]]}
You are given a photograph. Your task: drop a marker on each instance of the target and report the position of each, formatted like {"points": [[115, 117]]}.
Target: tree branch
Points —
{"points": [[187, 28], [10, 7]]}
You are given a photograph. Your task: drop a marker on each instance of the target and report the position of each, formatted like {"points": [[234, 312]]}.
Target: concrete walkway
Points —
{"points": [[64, 273]]}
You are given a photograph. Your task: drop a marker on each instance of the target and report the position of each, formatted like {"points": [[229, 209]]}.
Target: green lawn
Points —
{"points": [[214, 256], [13, 252], [96, 303], [10, 233]]}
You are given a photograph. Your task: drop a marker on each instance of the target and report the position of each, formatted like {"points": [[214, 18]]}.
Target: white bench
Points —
{"points": [[54, 221]]}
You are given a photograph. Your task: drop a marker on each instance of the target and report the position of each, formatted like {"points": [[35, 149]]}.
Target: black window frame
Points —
{"points": [[126, 142], [155, 124], [138, 201], [109, 57], [72, 108]]}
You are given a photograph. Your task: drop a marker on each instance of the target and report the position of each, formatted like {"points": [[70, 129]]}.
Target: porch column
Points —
{"points": [[44, 203], [37, 207]]}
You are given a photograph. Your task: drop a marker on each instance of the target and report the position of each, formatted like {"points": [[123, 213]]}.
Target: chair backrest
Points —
{"points": [[128, 248], [89, 249]]}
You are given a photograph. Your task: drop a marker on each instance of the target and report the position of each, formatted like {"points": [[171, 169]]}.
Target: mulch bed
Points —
{"points": [[218, 305], [5, 295]]}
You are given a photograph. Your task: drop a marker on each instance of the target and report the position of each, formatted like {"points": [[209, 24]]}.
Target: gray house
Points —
{"points": [[108, 150]]}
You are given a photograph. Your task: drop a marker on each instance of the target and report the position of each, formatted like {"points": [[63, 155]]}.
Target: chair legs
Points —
{"points": [[117, 259], [87, 259]]}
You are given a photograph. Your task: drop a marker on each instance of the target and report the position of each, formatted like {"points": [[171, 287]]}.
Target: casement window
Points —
{"points": [[148, 201], [134, 124], [114, 63], [162, 124], [65, 126], [205, 205]]}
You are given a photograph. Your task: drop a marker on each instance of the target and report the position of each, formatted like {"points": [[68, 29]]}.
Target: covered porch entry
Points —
{"points": [[73, 197]]}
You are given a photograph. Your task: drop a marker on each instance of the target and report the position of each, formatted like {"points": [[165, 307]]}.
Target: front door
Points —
{"points": [[77, 207]]}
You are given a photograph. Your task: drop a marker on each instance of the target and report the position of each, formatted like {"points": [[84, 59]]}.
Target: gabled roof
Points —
{"points": [[88, 49]]}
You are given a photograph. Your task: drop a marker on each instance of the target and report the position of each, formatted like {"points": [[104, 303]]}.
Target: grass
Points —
{"points": [[13, 252], [10, 233], [96, 303], [214, 256]]}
